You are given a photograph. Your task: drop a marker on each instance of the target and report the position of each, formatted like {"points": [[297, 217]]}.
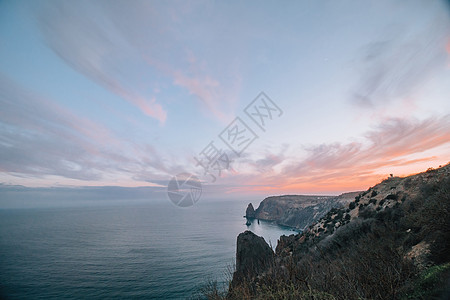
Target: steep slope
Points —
{"points": [[391, 242]]}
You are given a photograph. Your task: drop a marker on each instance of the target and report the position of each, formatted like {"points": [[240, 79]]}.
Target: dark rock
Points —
{"points": [[341, 233], [253, 256], [250, 212]]}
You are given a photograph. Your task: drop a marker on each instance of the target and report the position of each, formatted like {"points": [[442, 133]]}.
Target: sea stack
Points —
{"points": [[250, 212]]}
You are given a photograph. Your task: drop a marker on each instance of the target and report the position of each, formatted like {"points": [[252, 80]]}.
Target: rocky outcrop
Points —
{"points": [[250, 212], [299, 211], [395, 197], [395, 230], [386, 195], [253, 256]]}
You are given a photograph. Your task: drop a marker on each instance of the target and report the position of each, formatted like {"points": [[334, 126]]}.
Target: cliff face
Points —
{"points": [[299, 211], [250, 212], [253, 255], [395, 232]]}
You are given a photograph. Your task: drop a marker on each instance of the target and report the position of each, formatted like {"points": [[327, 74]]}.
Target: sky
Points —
{"points": [[132, 93]]}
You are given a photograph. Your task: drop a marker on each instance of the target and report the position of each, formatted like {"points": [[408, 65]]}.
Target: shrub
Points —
{"points": [[429, 284], [330, 227], [366, 213], [352, 205], [407, 183], [391, 197]]}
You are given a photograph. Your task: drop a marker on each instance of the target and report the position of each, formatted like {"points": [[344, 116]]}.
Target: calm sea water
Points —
{"points": [[152, 251]]}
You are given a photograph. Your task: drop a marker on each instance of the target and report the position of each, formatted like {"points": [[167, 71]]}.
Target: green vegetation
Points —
{"points": [[429, 284], [369, 257]]}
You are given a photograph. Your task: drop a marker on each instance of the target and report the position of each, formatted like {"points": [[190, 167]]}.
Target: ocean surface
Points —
{"points": [[148, 251]]}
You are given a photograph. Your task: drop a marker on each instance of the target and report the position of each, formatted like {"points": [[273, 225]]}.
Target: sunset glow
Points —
{"points": [[111, 94]]}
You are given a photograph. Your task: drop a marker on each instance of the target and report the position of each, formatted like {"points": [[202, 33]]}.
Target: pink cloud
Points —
{"points": [[400, 145], [148, 106], [447, 48], [205, 88], [43, 141], [86, 44]]}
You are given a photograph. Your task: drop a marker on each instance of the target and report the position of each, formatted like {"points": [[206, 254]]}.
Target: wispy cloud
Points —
{"points": [[128, 48], [41, 138], [398, 65], [161, 58], [338, 167], [206, 89], [179, 53], [447, 48], [88, 43], [389, 145], [212, 96]]}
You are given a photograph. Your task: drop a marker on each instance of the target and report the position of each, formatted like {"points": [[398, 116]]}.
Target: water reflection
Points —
{"points": [[270, 231]]}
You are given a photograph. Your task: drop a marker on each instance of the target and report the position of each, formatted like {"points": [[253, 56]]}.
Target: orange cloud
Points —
{"points": [[397, 146]]}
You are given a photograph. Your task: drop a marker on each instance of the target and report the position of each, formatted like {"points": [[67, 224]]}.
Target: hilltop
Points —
{"points": [[391, 241]]}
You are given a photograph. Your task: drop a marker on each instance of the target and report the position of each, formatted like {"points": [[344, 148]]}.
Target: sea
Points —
{"points": [[121, 251]]}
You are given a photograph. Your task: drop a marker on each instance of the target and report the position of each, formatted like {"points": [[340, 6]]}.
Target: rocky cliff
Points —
{"points": [[298, 211], [391, 241], [253, 255], [250, 212]]}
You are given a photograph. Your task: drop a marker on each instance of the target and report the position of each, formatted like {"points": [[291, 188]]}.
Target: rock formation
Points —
{"points": [[299, 211], [397, 229], [250, 212], [253, 255]]}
